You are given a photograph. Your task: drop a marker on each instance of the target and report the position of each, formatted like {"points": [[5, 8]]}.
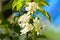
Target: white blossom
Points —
{"points": [[27, 28], [24, 19], [23, 22], [38, 33], [37, 24], [31, 7]]}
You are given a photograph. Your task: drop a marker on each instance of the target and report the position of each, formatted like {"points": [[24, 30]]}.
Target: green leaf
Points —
{"points": [[41, 36], [44, 3], [45, 14], [41, 2], [17, 4], [14, 4], [17, 29], [29, 0]]}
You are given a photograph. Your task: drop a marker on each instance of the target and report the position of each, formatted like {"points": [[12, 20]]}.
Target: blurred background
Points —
{"points": [[53, 9]]}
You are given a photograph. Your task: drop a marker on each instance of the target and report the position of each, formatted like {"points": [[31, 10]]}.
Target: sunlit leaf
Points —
{"points": [[45, 14], [14, 4], [41, 2], [17, 4], [44, 3]]}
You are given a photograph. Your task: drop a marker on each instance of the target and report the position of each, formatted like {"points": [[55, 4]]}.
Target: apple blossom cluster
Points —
{"points": [[32, 7], [24, 19]]}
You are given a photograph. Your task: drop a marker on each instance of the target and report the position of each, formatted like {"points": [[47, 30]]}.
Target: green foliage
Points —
{"points": [[45, 14], [7, 6], [16, 38], [17, 4], [0, 21], [17, 29], [41, 2]]}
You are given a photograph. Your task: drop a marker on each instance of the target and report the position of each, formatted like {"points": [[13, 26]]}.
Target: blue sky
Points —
{"points": [[54, 11]]}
